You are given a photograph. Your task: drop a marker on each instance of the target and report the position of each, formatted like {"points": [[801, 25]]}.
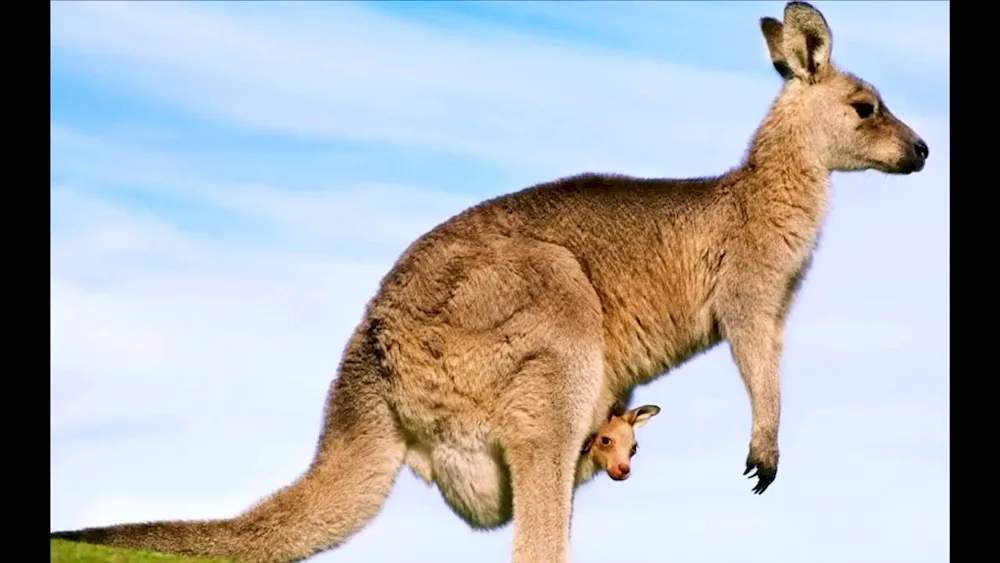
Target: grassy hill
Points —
{"points": [[68, 552]]}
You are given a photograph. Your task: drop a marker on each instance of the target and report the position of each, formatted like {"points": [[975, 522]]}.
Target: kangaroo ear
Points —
{"points": [[639, 416], [774, 36], [806, 41]]}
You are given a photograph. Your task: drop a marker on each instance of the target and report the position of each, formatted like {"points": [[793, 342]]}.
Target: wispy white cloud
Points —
{"points": [[523, 100], [917, 37], [372, 214]]}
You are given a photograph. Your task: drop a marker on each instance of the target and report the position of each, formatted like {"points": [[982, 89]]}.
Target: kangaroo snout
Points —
{"points": [[620, 472], [917, 157]]}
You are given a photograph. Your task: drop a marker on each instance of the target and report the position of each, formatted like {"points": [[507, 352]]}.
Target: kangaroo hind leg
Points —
{"points": [[546, 418]]}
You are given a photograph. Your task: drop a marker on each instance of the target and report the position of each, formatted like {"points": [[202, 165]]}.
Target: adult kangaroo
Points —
{"points": [[503, 337]]}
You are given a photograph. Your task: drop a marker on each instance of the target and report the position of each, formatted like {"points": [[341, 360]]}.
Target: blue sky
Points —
{"points": [[230, 180]]}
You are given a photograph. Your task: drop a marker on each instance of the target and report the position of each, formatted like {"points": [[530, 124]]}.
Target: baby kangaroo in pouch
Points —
{"points": [[611, 448], [500, 339]]}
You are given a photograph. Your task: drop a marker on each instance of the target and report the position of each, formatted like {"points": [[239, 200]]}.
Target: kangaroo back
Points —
{"points": [[359, 456]]}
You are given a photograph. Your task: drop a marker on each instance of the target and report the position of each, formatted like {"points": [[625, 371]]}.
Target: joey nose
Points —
{"points": [[623, 469], [921, 149]]}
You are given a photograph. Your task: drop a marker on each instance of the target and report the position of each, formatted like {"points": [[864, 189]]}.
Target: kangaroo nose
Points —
{"points": [[623, 468], [922, 150]]}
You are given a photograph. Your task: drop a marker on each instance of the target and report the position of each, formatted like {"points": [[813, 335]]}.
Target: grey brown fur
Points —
{"points": [[501, 338]]}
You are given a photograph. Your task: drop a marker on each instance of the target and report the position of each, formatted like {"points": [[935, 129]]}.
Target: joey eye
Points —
{"points": [[864, 110], [635, 448], [605, 441]]}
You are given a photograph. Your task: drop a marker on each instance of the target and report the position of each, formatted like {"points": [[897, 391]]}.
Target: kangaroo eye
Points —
{"points": [[605, 441], [864, 110]]}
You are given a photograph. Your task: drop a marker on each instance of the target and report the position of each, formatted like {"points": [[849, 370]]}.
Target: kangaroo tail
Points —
{"points": [[359, 456]]}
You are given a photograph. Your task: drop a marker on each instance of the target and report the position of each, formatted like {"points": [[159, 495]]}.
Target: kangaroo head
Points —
{"points": [[611, 448], [838, 121]]}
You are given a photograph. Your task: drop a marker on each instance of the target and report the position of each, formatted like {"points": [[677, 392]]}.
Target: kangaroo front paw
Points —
{"points": [[764, 463]]}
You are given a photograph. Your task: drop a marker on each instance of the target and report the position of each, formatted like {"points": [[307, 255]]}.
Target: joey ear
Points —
{"points": [[774, 36], [639, 416], [807, 41], [589, 443]]}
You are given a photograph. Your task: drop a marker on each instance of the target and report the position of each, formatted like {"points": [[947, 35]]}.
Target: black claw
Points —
{"points": [[764, 481], [765, 476]]}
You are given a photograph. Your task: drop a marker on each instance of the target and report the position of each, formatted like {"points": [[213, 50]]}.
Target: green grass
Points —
{"points": [[69, 552]]}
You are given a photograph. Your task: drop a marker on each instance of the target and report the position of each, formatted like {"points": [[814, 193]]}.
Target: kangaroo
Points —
{"points": [[500, 339], [611, 448]]}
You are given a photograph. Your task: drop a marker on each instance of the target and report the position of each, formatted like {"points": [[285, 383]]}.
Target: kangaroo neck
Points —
{"points": [[780, 167]]}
